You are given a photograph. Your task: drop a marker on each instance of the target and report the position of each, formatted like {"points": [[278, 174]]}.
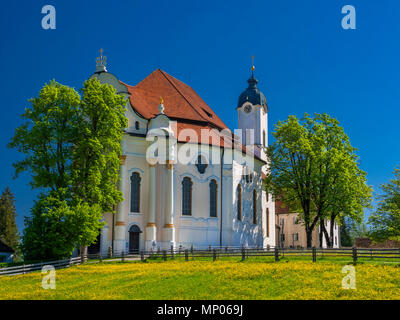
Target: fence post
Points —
{"points": [[186, 255], [209, 248], [276, 254], [172, 252], [151, 252], [180, 249], [191, 249], [226, 249], [314, 254], [142, 256], [158, 251], [214, 255], [100, 257], [110, 252], [243, 254], [82, 258], [122, 256], [164, 255], [354, 255]]}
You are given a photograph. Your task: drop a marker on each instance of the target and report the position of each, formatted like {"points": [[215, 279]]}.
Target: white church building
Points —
{"points": [[186, 178]]}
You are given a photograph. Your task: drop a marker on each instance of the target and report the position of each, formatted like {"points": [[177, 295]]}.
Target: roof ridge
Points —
{"points": [[182, 95]]}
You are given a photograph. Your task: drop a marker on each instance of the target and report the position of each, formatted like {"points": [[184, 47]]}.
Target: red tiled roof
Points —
{"points": [[180, 100], [181, 103], [280, 207]]}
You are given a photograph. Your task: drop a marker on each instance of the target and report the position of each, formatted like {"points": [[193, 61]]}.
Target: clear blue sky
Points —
{"points": [[304, 60]]}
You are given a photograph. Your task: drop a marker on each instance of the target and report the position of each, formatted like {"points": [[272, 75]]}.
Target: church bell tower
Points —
{"points": [[253, 115]]}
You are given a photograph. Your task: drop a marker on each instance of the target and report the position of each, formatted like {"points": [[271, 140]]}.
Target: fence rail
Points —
{"points": [[214, 253], [27, 268], [248, 252]]}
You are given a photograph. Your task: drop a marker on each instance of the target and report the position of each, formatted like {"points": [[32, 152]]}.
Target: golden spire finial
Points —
{"points": [[161, 100], [252, 63]]}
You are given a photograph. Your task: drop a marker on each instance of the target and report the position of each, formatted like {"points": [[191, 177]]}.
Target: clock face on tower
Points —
{"points": [[247, 108]]}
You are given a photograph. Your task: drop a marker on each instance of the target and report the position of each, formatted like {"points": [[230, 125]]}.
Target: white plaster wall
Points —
{"points": [[336, 235], [257, 120], [198, 229]]}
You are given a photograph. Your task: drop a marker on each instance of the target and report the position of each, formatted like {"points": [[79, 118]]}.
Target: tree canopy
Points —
{"points": [[8, 226], [72, 146], [314, 170], [385, 221]]}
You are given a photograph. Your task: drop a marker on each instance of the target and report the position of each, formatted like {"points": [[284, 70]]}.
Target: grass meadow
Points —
{"points": [[227, 278]]}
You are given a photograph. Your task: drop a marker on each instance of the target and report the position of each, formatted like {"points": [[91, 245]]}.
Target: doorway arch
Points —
{"points": [[134, 239]]}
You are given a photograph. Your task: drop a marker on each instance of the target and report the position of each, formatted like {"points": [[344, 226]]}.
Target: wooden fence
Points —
{"points": [[214, 253], [27, 268], [243, 253]]}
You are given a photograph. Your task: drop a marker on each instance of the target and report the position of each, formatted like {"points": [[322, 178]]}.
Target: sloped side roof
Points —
{"points": [[180, 100], [280, 207]]}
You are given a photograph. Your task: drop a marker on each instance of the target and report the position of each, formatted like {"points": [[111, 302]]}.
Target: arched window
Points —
{"points": [[239, 202], [267, 222], [264, 139], [137, 125], [213, 198], [135, 192], [187, 196], [254, 207]]}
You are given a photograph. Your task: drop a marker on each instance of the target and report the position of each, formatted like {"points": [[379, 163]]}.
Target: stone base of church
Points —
{"points": [[119, 246], [150, 242], [168, 234]]}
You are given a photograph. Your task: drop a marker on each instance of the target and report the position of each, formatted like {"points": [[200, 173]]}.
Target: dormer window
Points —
{"points": [[207, 113], [137, 125]]}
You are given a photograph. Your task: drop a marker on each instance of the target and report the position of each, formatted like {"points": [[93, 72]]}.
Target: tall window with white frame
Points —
{"points": [[213, 198], [264, 139], [267, 222], [135, 192], [187, 196], [254, 207], [239, 202]]}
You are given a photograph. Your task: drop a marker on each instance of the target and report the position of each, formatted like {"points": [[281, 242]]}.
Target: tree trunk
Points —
{"points": [[333, 216], [327, 238], [83, 250], [309, 238], [321, 232]]}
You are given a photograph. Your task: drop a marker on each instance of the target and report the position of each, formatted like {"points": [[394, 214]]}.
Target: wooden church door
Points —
{"points": [[134, 234]]}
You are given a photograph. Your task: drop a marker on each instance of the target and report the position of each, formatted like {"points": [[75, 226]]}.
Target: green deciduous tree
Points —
{"points": [[385, 222], [312, 164], [47, 137], [348, 196], [72, 148], [8, 226], [54, 229], [96, 154]]}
